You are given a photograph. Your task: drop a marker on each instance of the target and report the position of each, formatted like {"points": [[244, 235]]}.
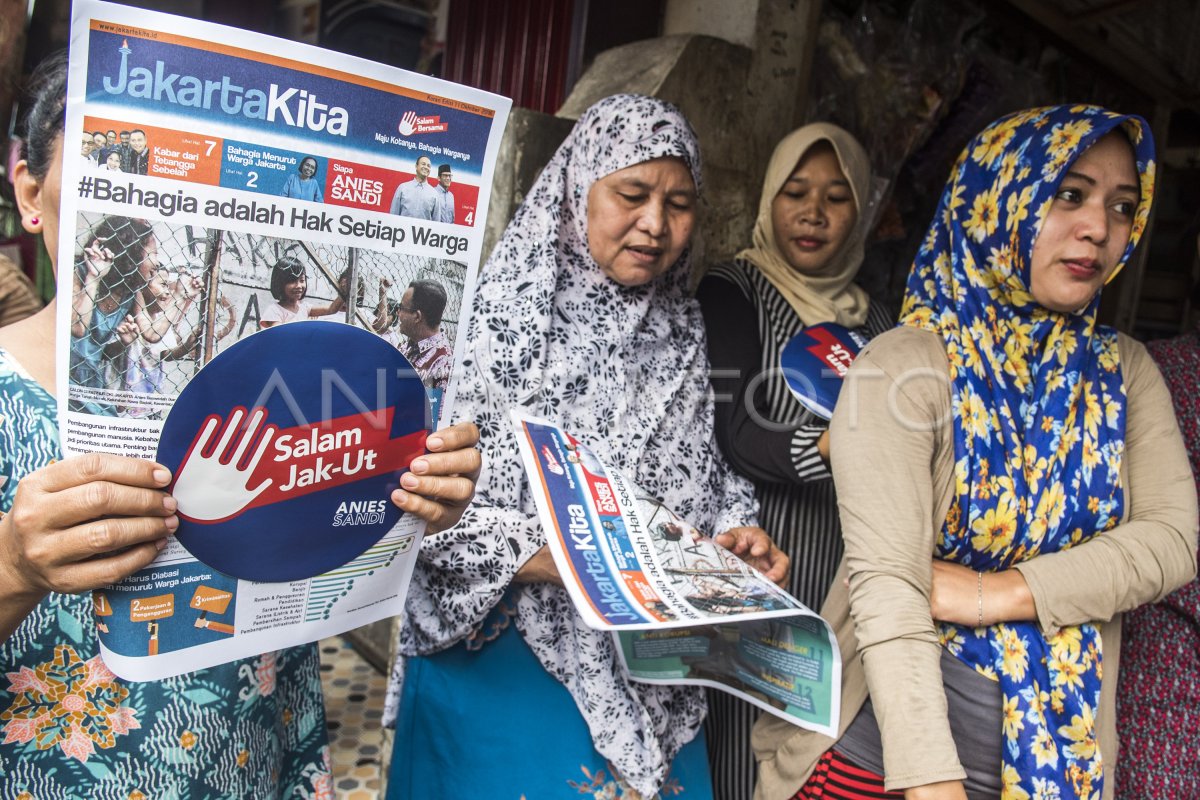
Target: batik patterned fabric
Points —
{"points": [[250, 729], [625, 369], [1039, 424], [1158, 696]]}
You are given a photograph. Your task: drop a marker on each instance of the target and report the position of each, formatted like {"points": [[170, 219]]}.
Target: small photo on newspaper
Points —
{"points": [[684, 610]]}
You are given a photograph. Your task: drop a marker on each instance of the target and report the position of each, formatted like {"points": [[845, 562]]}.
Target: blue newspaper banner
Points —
{"points": [[815, 361], [285, 449], [205, 83]]}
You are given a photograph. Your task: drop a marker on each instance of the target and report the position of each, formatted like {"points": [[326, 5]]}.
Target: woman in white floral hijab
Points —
{"points": [[582, 316]]}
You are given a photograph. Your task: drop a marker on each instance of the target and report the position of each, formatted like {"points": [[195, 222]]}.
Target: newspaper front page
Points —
{"points": [[244, 183], [684, 609]]}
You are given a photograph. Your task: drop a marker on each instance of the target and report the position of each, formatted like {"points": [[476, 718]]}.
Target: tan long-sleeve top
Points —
{"points": [[893, 457]]}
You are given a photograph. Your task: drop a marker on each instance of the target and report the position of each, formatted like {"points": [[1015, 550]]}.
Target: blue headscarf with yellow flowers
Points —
{"points": [[1039, 424]]}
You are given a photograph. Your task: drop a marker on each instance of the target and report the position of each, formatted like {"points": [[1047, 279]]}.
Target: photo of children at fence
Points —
{"points": [[154, 302], [146, 363], [709, 578], [146, 313], [116, 261]]}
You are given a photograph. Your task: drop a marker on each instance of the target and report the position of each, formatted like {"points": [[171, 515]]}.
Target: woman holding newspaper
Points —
{"points": [[582, 317], [1034, 454], [252, 728]]}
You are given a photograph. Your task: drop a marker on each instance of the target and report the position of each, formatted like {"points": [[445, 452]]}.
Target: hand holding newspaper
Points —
{"points": [[684, 609]]}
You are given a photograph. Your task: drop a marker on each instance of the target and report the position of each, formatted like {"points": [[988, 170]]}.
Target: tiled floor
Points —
{"points": [[354, 693]]}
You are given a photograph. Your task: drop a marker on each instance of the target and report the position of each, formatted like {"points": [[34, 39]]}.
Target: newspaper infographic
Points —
{"points": [[227, 185], [683, 609]]}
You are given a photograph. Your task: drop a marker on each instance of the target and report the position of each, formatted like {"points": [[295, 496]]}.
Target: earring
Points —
{"points": [[35, 220]]}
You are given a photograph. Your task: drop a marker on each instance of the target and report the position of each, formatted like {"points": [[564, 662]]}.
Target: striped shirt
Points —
{"points": [[770, 438]]}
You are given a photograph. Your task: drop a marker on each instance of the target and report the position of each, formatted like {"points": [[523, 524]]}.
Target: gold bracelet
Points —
{"points": [[980, 600]]}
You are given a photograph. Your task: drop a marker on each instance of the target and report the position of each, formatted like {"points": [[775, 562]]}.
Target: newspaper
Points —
{"points": [[234, 182], [667, 591]]}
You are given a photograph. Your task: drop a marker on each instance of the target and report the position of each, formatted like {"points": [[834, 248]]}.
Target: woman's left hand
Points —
{"points": [[440, 484], [756, 548]]}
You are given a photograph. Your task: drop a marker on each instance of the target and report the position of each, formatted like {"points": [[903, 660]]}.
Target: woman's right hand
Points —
{"points": [[82, 523], [540, 568], [945, 790]]}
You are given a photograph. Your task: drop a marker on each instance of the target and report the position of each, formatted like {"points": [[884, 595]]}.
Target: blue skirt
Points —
{"points": [[493, 723]]}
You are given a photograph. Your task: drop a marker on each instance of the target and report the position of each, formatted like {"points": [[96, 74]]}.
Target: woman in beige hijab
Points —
{"points": [[807, 248]]}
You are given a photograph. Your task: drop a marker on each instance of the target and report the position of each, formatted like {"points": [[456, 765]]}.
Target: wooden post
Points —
{"points": [[212, 285], [780, 66], [12, 33]]}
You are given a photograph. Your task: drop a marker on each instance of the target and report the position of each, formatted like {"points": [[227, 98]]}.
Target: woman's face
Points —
{"points": [[814, 212], [308, 168], [1087, 227], [640, 219], [113, 161]]}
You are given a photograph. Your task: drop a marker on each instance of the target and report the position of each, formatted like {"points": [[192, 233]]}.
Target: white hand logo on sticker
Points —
{"points": [[408, 123], [207, 489]]}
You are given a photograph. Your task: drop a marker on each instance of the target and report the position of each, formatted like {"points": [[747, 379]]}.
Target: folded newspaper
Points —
{"points": [[684, 609]]}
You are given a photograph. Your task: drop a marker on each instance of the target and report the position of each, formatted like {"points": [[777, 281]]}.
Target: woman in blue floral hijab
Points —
{"points": [[1039, 407], [1033, 453]]}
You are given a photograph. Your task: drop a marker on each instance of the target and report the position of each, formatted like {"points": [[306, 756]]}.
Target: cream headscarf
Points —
{"points": [[831, 294]]}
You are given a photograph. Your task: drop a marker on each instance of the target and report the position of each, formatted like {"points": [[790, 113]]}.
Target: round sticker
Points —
{"points": [[815, 360], [286, 448]]}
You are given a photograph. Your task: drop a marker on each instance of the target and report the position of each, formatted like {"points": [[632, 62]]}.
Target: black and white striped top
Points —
{"points": [[763, 430], [770, 438]]}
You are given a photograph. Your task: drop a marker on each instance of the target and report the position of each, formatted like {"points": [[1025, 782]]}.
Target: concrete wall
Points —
{"points": [[530, 139], [732, 21], [742, 90]]}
